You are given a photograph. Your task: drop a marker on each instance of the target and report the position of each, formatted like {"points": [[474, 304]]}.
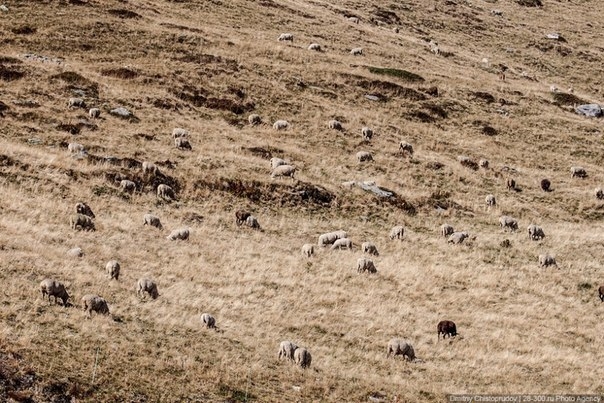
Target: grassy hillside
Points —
{"points": [[205, 66]]}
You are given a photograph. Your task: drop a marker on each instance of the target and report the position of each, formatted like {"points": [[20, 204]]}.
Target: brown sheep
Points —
{"points": [[601, 291], [83, 208], [546, 185], [511, 184], [446, 327], [241, 216], [54, 288]]}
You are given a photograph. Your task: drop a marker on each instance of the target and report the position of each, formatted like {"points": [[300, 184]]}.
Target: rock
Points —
{"points": [[369, 186], [121, 112], [75, 252], [589, 110], [555, 36], [3, 8]]}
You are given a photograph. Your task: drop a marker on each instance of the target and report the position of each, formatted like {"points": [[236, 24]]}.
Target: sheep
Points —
{"points": [[507, 222], [83, 208], [457, 237], [182, 143], [395, 30], [94, 113], [113, 269], [405, 148], [254, 119], [165, 192], [152, 221], [283, 170], [280, 125], [547, 260], [447, 328], [364, 264], [490, 200], [342, 243], [483, 163], [578, 172], [397, 232], [366, 133], [147, 285], [308, 249], [511, 184], [179, 234], [81, 221], [76, 103], [286, 37], [287, 349], [553, 88], [315, 46], [302, 357], [75, 252], [94, 303], [599, 193], [75, 148], [356, 51], [208, 320], [601, 291], [446, 230], [275, 162], [54, 288], [354, 20], [179, 132], [535, 232], [335, 125], [150, 168], [434, 47], [241, 216], [330, 237], [369, 248], [252, 222], [363, 156], [546, 185], [400, 347], [127, 186]]}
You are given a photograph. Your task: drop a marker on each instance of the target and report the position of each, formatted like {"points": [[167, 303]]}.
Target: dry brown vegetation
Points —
{"points": [[204, 66]]}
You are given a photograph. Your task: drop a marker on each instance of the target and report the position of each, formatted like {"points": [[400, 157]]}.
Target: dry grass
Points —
{"points": [[204, 66]]}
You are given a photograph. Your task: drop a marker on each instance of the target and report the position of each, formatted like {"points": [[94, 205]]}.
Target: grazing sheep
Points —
{"points": [[535, 232], [165, 192], [545, 185], [457, 237], [127, 186], [302, 357], [83, 208], [483, 163], [75, 148], [400, 347], [335, 125], [578, 172], [308, 249], [283, 170], [367, 133], [208, 320], [179, 234], [511, 184], [95, 303], [446, 230], [254, 119], [286, 37], [55, 289], [281, 125], [547, 260], [113, 269], [76, 103], [252, 222], [405, 148], [397, 232], [241, 216], [153, 221], [364, 264], [490, 200], [330, 237], [363, 156], [447, 328], [315, 46], [507, 222], [354, 20], [356, 51], [395, 30], [599, 193], [182, 143], [94, 113], [287, 349], [434, 47], [601, 291], [342, 243], [369, 248], [180, 132], [75, 252], [81, 221], [147, 285], [150, 168], [275, 162]]}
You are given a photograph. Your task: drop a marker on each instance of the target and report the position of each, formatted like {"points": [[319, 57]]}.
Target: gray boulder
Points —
{"points": [[589, 110]]}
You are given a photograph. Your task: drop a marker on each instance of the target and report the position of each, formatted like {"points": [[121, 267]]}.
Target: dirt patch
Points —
{"points": [[564, 99], [530, 3], [24, 30], [482, 96], [191, 95], [386, 16], [392, 89], [69, 128], [226, 104], [264, 152], [122, 13], [10, 74], [124, 73], [438, 200]]}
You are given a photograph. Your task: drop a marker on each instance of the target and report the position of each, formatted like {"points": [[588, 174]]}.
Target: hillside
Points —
{"points": [[205, 66]]}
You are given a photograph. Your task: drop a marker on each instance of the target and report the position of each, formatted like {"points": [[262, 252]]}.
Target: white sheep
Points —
{"points": [[152, 220], [578, 172], [369, 248], [179, 234], [364, 156], [150, 168], [535, 232], [547, 260], [354, 20], [165, 192], [330, 237], [356, 51], [457, 237], [275, 162], [287, 349], [434, 47], [54, 288], [507, 222], [208, 320], [599, 193], [366, 133], [446, 230], [94, 303], [179, 132], [75, 252], [365, 264], [280, 125], [254, 119], [252, 222], [342, 243], [302, 357], [283, 170], [315, 46], [490, 200], [400, 347], [182, 143], [75, 148], [308, 249], [335, 125], [113, 269], [397, 232], [94, 113], [147, 285], [81, 221], [76, 103], [286, 37], [127, 185]]}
